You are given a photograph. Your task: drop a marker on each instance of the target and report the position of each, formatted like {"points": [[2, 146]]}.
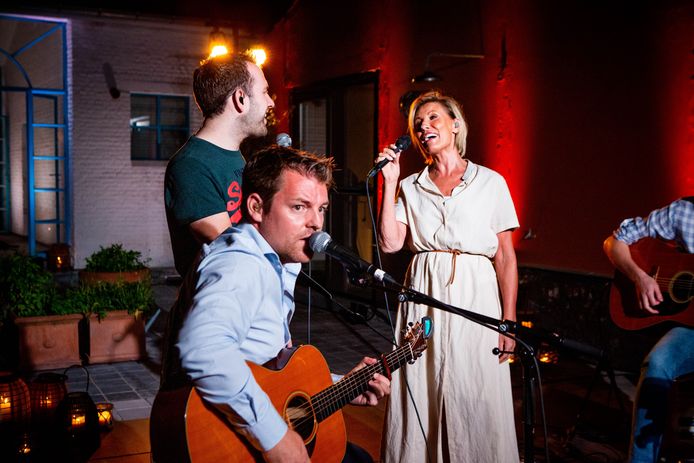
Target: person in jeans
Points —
{"points": [[673, 355]]}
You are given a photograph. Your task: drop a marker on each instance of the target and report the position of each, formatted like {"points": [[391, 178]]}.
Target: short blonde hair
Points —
{"points": [[454, 110]]}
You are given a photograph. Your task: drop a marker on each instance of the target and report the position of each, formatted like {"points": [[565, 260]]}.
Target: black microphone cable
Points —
{"points": [[350, 312], [379, 264]]}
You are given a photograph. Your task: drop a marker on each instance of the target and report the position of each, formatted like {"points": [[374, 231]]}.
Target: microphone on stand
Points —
{"points": [[322, 242], [401, 144], [283, 140]]}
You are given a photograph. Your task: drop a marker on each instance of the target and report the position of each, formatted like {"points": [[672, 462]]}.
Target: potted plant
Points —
{"points": [[114, 264], [116, 291], [46, 323], [117, 313]]}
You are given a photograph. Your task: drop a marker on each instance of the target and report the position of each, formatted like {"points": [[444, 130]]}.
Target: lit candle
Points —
{"points": [[5, 408], [105, 418], [78, 420], [105, 415], [25, 446]]}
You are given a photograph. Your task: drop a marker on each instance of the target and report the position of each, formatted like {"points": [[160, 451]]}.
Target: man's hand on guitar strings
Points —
{"points": [[649, 294], [379, 386]]}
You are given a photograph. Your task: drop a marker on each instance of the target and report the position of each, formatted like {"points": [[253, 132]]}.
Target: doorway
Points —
{"points": [[340, 118]]}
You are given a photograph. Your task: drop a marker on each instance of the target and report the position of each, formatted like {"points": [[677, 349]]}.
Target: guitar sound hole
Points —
{"points": [[301, 417], [681, 287]]}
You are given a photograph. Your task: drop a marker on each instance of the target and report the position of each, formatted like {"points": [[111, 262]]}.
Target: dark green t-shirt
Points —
{"points": [[202, 179]]}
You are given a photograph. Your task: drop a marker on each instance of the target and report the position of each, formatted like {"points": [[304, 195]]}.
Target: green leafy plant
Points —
{"points": [[115, 259], [26, 288], [100, 298]]}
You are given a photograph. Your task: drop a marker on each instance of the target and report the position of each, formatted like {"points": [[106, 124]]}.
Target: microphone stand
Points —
{"points": [[505, 327]]}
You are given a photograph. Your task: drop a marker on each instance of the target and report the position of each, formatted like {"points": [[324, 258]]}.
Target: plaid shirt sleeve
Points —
{"points": [[672, 222]]}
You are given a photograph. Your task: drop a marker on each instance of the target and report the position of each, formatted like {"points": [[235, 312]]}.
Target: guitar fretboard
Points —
{"points": [[333, 398]]}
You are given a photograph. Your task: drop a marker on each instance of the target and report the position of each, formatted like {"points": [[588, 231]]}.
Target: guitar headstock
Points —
{"points": [[417, 336]]}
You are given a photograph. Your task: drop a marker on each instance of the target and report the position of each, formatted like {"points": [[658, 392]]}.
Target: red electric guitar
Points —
{"points": [[185, 428], [674, 273]]}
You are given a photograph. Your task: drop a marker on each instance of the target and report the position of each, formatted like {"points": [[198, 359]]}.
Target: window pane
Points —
{"points": [[143, 110], [172, 125], [174, 111], [171, 141], [143, 143], [313, 125]]}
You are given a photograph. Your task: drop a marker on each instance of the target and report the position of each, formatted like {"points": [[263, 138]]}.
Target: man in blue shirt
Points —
{"points": [[238, 304], [673, 355]]}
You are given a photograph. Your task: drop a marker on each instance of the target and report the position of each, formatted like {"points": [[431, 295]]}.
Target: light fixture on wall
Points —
{"points": [[110, 77], [430, 76], [219, 45], [259, 55]]}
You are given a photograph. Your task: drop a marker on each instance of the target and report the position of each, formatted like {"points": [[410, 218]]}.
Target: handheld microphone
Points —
{"points": [[284, 140], [322, 242], [401, 144]]}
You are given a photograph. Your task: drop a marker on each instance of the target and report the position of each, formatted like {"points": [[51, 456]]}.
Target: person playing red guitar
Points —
{"points": [[673, 355]]}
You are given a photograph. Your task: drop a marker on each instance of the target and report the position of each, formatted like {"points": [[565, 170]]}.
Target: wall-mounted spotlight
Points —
{"points": [[259, 55], [219, 45], [429, 76]]}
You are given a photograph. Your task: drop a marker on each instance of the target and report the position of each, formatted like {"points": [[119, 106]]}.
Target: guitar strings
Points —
{"points": [[678, 284], [322, 401], [355, 379]]}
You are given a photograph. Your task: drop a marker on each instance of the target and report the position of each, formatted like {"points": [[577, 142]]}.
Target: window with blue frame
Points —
{"points": [[159, 125]]}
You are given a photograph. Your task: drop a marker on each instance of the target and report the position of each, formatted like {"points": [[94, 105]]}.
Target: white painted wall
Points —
{"points": [[116, 199]]}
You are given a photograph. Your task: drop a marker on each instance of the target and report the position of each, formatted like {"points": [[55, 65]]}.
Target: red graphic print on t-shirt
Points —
{"points": [[234, 203]]}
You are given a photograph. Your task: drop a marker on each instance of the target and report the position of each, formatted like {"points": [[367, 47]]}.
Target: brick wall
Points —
{"points": [[116, 199]]}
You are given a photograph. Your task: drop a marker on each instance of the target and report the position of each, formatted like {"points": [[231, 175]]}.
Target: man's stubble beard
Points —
{"points": [[255, 128]]}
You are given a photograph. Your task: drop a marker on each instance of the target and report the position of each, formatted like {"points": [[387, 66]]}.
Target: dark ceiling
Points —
{"points": [[257, 16]]}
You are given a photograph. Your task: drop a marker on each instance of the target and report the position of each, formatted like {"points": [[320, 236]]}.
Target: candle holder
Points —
{"points": [[15, 414], [105, 412], [59, 257], [46, 390], [77, 423]]}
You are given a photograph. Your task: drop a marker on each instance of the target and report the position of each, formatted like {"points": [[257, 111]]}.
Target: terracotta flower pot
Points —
{"points": [[90, 278], [48, 342], [118, 337]]}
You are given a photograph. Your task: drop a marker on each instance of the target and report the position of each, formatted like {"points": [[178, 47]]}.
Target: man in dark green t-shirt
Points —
{"points": [[203, 179]]}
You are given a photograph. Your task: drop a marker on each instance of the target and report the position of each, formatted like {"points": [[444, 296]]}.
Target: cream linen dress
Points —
{"points": [[462, 393]]}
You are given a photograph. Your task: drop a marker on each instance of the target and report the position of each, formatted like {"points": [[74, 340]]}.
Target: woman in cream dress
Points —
{"points": [[457, 217]]}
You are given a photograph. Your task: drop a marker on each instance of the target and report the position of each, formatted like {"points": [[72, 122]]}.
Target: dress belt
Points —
{"points": [[454, 253]]}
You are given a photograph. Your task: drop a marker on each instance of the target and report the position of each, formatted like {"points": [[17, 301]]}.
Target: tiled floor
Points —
{"points": [[130, 386]]}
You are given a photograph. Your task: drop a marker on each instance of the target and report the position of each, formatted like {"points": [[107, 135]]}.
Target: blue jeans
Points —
{"points": [[671, 357]]}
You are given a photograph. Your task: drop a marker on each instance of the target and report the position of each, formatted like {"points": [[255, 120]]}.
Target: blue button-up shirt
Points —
{"points": [[673, 222], [240, 310]]}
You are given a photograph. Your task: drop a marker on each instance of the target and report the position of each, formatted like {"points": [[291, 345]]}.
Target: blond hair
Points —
{"points": [[454, 110]]}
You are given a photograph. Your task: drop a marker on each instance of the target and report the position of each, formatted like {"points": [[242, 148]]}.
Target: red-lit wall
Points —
{"points": [[591, 120]]}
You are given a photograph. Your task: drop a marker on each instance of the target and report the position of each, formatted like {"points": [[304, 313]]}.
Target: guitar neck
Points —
{"points": [[333, 398]]}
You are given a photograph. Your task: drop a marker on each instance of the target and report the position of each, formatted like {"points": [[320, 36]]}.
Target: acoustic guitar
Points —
{"points": [[674, 273], [185, 428]]}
